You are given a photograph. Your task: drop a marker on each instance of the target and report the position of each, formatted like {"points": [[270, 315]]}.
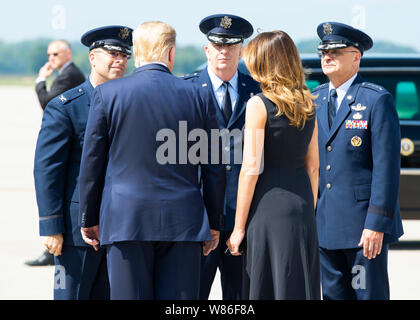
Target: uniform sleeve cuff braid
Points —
{"points": [[51, 225]]}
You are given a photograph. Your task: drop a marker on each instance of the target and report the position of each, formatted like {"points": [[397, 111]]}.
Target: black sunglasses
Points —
{"points": [[53, 54]]}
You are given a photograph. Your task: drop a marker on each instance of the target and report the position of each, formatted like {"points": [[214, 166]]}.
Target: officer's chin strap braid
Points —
{"points": [[109, 46], [224, 40], [337, 44]]}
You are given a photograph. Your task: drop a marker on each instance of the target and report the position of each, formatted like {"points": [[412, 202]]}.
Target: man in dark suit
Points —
{"points": [[80, 270], [140, 197], [69, 76], [359, 148], [229, 90]]}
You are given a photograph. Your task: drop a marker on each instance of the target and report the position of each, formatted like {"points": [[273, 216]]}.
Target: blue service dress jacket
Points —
{"points": [[359, 166], [57, 161], [125, 187], [232, 149]]}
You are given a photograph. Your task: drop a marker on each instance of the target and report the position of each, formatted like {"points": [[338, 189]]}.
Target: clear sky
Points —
{"points": [[394, 20]]}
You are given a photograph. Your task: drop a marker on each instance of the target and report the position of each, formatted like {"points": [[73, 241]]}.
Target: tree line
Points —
{"points": [[27, 57]]}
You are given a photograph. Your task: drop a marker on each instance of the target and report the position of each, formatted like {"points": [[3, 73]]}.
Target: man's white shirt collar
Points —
{"points": [[217, 82], [41, 79], [342, 90], [64, 66], [219, 90]]}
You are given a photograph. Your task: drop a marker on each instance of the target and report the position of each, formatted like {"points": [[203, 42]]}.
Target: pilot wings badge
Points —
{"points": [[358, 107]]}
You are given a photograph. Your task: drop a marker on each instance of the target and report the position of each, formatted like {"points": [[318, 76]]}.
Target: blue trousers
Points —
{"points": [[149, 270], [230, 271], [347, 275], [81, 274]]}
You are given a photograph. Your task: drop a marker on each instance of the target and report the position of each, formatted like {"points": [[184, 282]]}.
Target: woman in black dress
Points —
{"points": [[278, 183]]}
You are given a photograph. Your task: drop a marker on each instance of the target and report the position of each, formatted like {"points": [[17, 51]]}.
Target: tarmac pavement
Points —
{"points": [[20, 121]]}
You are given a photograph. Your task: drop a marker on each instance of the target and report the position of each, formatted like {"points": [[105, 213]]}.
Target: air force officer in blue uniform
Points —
{"points": [[229, 90], [140, 196], [359, 148], [80, 271]]}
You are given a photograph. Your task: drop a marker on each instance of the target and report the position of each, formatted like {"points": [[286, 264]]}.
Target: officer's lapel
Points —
{"points": [[345, 108], [242, 99], [342, 114], [87, 86], [322, 110], [204, 81]]}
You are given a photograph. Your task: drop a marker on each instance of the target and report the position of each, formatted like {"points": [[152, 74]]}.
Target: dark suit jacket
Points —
{"points": [[57, 162], [247, 87], [134, 122], [66, 80], [359, 161]]}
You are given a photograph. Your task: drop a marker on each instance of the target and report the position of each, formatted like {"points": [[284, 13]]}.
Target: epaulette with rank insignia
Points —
{"points": [[373, 86], [190, 76], [320, 87], [71, 95]]}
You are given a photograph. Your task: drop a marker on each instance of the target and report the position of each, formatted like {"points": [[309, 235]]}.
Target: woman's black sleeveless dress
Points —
{"points": [[282, 257]]}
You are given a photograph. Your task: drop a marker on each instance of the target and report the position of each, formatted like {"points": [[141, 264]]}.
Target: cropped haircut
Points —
{"points": [[65, 45]]}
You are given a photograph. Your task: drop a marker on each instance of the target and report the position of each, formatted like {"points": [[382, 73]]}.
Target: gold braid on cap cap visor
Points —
{"points": [[223, 40], [337, 44], [329, 46], [116, 48]]}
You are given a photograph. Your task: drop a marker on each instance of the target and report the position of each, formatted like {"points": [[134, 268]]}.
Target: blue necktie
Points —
{"points": [[331, 106], [226, 103]]}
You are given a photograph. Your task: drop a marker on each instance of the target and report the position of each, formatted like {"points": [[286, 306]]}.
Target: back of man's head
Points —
{"points": [[152, 42]]}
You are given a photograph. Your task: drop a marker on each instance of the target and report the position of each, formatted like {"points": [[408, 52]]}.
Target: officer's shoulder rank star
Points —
{"points": [[320, 87], [63, 98], [372, 86]]}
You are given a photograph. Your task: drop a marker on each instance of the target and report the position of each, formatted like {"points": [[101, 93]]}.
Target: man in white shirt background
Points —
{"points": [[69, 76]]}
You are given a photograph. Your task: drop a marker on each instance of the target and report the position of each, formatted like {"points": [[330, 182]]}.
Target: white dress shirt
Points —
{"points": [[342, 90], [64, 66], [40, 79], [219, 89]]}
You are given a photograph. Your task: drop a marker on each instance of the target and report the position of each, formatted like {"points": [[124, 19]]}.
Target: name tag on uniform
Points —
{"points": [[357, 124]]}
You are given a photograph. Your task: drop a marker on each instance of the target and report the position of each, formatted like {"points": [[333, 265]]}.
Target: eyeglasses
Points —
{"points": [[55, 54], [333, 54], [115, 54]]}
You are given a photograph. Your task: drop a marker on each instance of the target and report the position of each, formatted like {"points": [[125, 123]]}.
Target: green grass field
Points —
{"points": [[17, 80]]}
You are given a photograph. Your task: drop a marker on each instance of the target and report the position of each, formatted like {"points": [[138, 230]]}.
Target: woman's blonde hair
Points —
{"points": [[152, 41], [273, 60]]}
